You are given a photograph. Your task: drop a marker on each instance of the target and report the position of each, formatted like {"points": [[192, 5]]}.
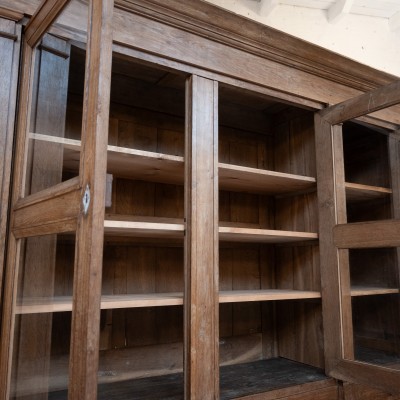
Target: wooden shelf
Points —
{"points": [[371, 291], [125, 162], [356, 192], [64, 303], [159, 230], [157, 167], [233, 234], [170, 229], [238, 296], [238, 178]]}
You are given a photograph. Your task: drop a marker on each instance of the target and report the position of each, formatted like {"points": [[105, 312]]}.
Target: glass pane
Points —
{"points": [[56, 104], [376, 306], [43, 317], [367, 172]]}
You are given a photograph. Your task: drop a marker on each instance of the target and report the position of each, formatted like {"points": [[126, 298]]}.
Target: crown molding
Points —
{"points": [[222, 26]]}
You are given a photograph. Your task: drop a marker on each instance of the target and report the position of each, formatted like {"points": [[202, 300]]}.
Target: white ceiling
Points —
{"points": [[389, 9], [375, 8], [367, 31]]}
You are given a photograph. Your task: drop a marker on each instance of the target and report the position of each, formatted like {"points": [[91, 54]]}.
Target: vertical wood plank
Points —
{"points": [[394, 165], [89, 250], [9, 65], [332, 210], [201, 241]]}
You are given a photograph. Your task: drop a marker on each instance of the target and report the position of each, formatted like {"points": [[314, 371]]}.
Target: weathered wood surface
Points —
{"points": [[367, 234], [332, 209], [382, 378], [90, 233], [9, 61], [201, 240], [378, 99], [10, 14], [305, 80], [44, 16], [361, 392]]}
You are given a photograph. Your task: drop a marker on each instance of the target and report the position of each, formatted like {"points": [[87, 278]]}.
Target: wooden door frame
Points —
{"points": [[336, 237], [88, 224], [8, 90]]}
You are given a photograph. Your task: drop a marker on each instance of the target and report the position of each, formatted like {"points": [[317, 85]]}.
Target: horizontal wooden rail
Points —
{"points": [[44, 16], [380, 377], [372, 234], [367, 103], [52, 210]]}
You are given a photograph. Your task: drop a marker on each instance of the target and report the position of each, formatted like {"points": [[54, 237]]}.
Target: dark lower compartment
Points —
{"points": [[235, 381]]}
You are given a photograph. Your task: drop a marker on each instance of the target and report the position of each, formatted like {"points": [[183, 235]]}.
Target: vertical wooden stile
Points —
{"points": [[9, 48], [89, 240], [394, 167], [332, 210], [201, 361]]}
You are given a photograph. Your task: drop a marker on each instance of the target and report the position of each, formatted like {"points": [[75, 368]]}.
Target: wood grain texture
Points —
{"points": [[356, 192], [362, 392], [371, 291], [263, 235], [380, 98], [47, 210], [332, 209], [158, 167], [374, 234], [9, 62], [382, 378], [10, 14], [201, 240], [89, 254], [40, 22]]}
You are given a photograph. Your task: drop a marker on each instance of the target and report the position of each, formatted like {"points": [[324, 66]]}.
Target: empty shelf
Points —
{"points": [[237, 296], [64, 303], [157, 167], [238, 178], [371, 291], [356, 192], [143, 229], [233, 234]]}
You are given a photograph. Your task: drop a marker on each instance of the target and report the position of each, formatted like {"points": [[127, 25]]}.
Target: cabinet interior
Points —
{"points": [[270, 312]]}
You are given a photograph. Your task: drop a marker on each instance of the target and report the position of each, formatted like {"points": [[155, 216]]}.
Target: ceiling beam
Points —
{"points": [[267, 6], [338, 9], [394, 22]]}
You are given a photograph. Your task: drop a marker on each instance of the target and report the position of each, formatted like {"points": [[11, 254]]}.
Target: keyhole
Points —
{"points": [[86, 200]]}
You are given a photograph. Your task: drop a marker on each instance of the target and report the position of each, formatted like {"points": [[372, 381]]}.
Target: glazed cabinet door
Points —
{"points": [[51, 313], [359, 202]]}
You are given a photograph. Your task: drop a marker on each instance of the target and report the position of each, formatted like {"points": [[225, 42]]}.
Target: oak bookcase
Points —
{"points": [[205, 264]]}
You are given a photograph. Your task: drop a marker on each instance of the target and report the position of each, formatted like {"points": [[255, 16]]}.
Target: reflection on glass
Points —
{"points": [[56, 106], [376, 307], [43, 316]]}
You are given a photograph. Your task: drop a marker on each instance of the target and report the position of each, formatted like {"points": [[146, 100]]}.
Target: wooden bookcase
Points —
{"points": [[172, 225]]}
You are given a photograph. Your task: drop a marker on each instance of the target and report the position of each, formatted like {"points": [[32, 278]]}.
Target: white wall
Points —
{"points": [[362, 38]]}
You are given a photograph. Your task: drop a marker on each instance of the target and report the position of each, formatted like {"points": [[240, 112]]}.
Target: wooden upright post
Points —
{"points": [[201, 241], [84, 355]]}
